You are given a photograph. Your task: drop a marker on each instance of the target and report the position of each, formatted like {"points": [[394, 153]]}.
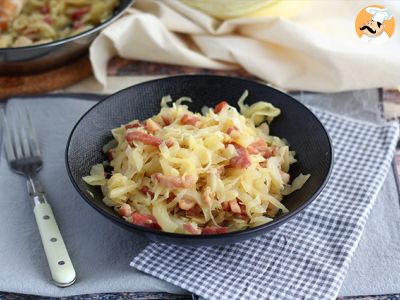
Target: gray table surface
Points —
{"points": [[376, 263]]}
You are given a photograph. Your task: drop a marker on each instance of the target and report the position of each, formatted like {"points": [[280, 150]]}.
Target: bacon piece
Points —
{"points": [[110, 154], [169, 143], [186, 203], [231, 129], [225, 206], [166, 120], [194, 212], [77, 24], [171, 197], [146, 190], [138, 136], [174, 182], [242, 160], [152, 126], [125, 210], [260, 147], [133, 125], [78, 13], [48, 19], [234, 206], [220, 106], [233, 132], [148, 221], [214, 230], [189, 228], [45, 9], [189, 120]]}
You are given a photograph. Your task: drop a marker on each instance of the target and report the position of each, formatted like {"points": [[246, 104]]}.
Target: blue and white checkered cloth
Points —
{"points": [[306, 258]]}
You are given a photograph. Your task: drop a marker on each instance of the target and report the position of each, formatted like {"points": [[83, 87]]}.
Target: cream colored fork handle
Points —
{"points": [[61, 268]]}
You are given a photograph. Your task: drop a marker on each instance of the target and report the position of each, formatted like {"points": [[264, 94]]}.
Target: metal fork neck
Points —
{"points": [[35, 189]]}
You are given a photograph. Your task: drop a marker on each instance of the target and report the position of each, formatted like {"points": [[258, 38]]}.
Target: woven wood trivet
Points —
{"points": [[45, 82]]}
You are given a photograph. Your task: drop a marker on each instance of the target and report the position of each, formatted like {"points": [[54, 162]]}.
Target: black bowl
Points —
{"points": [[297, 124], [37, 58]]}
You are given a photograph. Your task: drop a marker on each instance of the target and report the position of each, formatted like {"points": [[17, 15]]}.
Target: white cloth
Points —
{"points": [[317, 50], [375, 40]]}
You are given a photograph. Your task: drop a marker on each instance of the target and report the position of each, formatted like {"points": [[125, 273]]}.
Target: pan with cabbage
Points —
{"points": [[198, 173], [32, 22]]}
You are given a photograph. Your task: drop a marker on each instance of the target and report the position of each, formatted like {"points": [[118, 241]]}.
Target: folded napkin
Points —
{"points": [[307, 258], [316, 49]]}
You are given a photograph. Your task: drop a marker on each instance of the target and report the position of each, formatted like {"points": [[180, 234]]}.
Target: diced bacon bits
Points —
{"points": [[152, 126], [77, 24], [220, 106], [148, 221], [233, 132], [110, 154], [174, 182], [190, 120], [214, 230], [125, 210], [48, 19], [191, 229], [45, 9], [242, 160], [232, 129], [169, 143], [166, 120], [139, 136], [186, 203], [234, 206], [108, 171], [260, 147], [225, 206], [195, 211], [133, 125], [171, 197], [146, 190], [78, 13]]}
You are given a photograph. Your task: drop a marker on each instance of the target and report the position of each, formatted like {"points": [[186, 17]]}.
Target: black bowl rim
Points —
{"points": [[247, 231], [74, 37]]}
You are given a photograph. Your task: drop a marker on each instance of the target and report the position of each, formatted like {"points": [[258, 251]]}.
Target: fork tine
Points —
{"points": [[7, 138], [32, 136], [23, 128], [14, 133]]}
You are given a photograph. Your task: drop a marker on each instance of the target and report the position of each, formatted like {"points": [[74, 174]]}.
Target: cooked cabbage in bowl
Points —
{"points": [[32, 22], [193, 173]]}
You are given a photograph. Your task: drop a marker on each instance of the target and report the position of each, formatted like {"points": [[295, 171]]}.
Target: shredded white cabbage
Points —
{"points": [[194, 173]]}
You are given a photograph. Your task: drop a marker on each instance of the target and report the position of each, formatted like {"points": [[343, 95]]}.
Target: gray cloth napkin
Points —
{"points": [[101, 251]]}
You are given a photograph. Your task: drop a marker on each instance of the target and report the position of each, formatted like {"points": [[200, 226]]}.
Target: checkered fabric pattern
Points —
{"points": [[306, 258]]}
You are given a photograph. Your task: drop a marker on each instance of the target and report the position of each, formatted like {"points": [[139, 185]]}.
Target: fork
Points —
{"points": [[24, 158]]}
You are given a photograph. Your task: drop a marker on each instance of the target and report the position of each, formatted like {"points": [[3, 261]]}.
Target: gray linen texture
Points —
{"points": [[306, 258], [101, 251]]}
